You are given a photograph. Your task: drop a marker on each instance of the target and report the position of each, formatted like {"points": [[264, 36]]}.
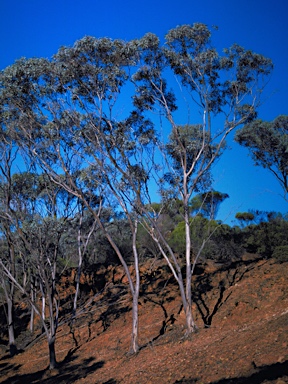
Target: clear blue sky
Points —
{"points": [[37, 28]]}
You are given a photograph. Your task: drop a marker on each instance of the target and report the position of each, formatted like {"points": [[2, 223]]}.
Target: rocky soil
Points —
{"points": [[241, 311]]}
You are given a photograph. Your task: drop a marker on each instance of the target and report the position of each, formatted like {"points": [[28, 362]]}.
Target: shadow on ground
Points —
{"points": [[66, 372], [267, 372]]}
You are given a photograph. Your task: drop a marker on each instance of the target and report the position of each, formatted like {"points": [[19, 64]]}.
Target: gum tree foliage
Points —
{"points": [[66, 114], [221, 241], [8, 255], [113, 148], [244, 218], [72, 117], [208, 203], [168, 216], [38, 213], [226, 86], [267, 143], [266, 236]]}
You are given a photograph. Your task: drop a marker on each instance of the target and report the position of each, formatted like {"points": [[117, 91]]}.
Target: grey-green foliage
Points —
{"points": [[70, 116], [280, 253], [267, 143], [217, 85], [207, 203], [264, 237], [244, 218], [188, 145], [221, 240]]}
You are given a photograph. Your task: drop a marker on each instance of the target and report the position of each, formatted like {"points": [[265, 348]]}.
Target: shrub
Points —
{"points": [[281, 253]]}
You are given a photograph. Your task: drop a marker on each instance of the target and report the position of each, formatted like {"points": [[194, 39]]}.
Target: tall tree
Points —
{"points": [[72, 118], [267, 142], [7, 159], [39, 221], [208, 203], [226, 86], [70, 128]]}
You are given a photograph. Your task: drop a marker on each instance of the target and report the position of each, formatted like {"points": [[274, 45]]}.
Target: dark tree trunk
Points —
{"points": [[52, 354], [12, 344]]}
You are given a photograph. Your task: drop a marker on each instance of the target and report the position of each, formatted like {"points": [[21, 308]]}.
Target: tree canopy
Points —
{"points": [[85, 123], [267, 142]]}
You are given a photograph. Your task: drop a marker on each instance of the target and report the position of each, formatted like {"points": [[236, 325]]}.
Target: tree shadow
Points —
{"points": [[200, 300], [114, 309], [67, 371], [234, 274], [6, 367], [266, 372], [159, 298]]}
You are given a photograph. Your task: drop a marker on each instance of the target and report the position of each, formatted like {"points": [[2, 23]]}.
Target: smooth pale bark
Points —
{"points": [[81, 252], [33, 299], [135, 293], [9, 295], [170, 258], [134, 340], [12, 344], [53, 320]]}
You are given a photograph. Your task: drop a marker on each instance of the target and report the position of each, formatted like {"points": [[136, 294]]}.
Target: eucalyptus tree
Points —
{"points": [[7, 158], [73, 118], [245, 218], [67, 114], [208, 203], [40, 219], [84, 235], [267, 142], [114, 151], [221, 92], [114, 145]]}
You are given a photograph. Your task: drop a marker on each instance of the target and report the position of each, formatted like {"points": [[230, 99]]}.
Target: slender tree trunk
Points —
{"points": [[185, 293], [78, 275], [135, 293], [43, 309], [9, 295], [80, 260], [53, 320], [52, 353], [12, 344], [134, 340], [81, 252], [33, 299], [190, 324], [31, 324]]}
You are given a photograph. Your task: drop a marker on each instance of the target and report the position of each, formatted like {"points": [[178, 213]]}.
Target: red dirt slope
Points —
{"points": [[241, 311]]}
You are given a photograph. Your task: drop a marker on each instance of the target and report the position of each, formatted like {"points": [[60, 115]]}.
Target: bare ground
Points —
{"points": [[241, 311]]}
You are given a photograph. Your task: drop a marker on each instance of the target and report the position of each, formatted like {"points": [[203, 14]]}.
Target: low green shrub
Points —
{"points": [[280, 253]]}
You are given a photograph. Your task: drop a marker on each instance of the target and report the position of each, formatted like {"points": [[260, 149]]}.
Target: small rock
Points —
{"points": [[281, 359]]}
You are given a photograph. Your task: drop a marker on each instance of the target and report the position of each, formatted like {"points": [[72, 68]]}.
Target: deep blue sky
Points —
{"points": [[37, 28]]}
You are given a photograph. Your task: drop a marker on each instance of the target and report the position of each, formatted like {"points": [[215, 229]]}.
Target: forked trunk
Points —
{"points": [[190, 323]]}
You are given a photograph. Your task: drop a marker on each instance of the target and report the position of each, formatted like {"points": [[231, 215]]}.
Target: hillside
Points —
{"points": [[241, 311]]}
